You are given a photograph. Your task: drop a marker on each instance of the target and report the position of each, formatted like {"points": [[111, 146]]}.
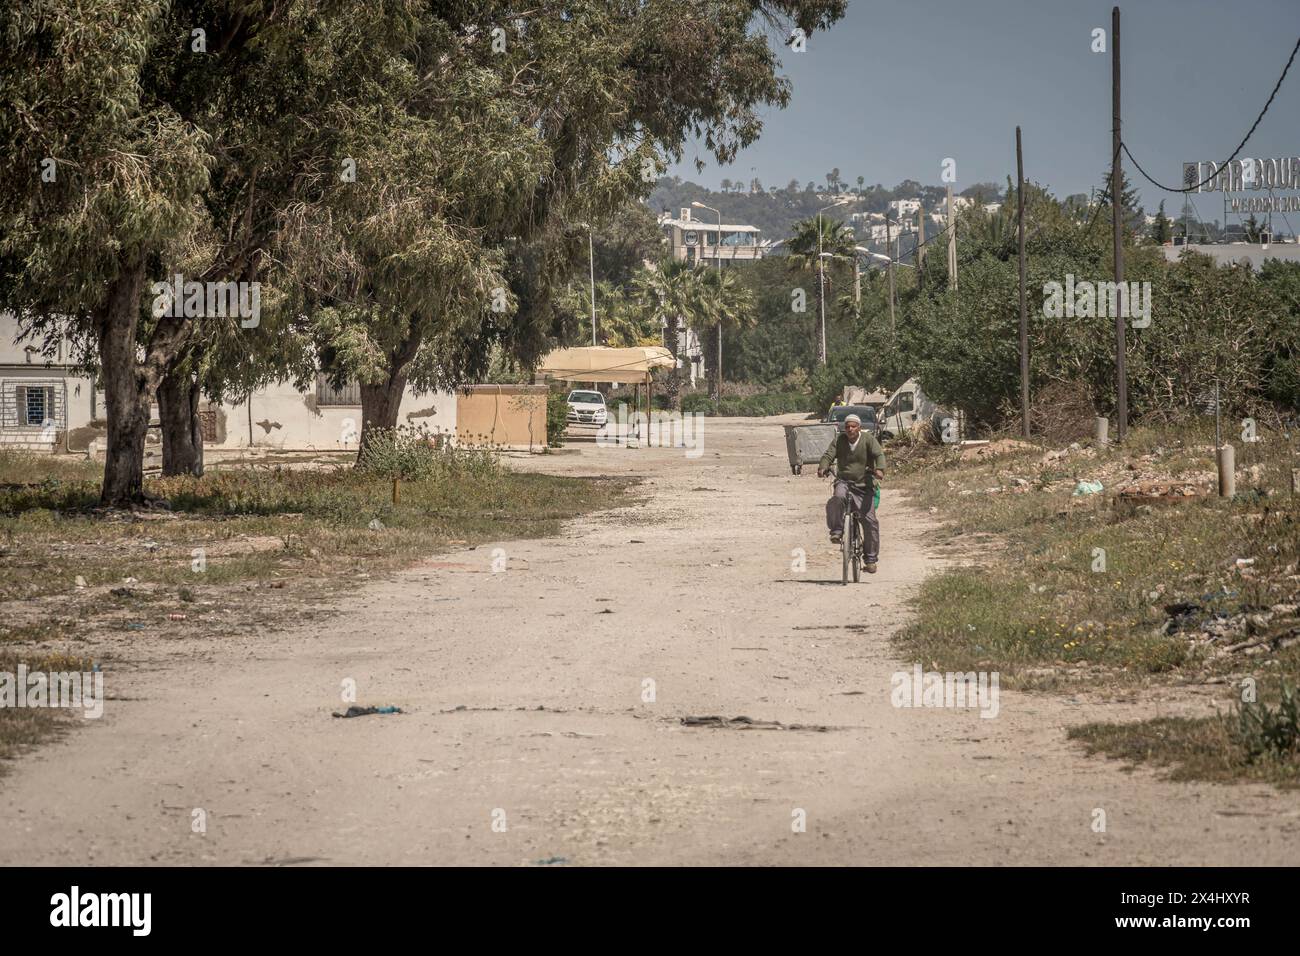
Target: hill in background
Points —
{"points": [[776, 210]]}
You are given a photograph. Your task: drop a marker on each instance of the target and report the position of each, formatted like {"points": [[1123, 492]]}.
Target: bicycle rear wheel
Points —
{"points": [[856, 558]]}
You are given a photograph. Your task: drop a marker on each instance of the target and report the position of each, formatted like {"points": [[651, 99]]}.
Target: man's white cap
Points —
{"points": [[852, 418]]}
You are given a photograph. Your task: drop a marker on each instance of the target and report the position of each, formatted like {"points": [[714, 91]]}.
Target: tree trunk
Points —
{"points": [[380, 402], [182, 431], [379, 405], [673, 386], [126, 390], [714, 363]]}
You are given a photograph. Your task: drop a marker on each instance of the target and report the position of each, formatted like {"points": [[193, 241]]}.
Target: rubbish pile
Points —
{"points": [[1247, 629]]}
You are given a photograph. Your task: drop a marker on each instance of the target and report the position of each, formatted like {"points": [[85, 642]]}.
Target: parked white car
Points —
{"points": [[587, 408]]}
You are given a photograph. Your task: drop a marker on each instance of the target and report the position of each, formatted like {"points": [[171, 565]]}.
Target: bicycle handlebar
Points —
{"points": [[855, 484]]}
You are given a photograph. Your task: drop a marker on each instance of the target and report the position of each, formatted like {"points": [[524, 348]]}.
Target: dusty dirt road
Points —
{"points": [[524, 698]]}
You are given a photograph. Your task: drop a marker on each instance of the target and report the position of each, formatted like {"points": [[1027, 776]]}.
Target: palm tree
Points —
{"points": [[724, 303], [672, 292], [828, 237], [624, 321]]}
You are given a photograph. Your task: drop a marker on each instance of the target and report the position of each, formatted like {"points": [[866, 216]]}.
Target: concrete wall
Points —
{"points": [[283, 417], [509, 415], [1231, 253]]}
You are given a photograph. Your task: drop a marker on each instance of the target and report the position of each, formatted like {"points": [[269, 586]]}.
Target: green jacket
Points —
{"points": [[854, 465]]}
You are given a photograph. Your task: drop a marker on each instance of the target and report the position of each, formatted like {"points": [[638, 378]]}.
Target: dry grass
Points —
{"points": [[1042, 609], [243, 550], [24, 728]]}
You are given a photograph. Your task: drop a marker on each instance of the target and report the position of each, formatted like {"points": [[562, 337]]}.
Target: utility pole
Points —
{"points": [[821, 276], [1117, 227], [1024, 309], [718, 250], [889, 248], [952, 243], [920, 246], [821, 286], [857, 286]]}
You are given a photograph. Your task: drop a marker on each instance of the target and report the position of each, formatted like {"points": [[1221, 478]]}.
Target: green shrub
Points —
{"points": [[1270, 732], [698, 402], [557, 418], [747, 406], [408, 452]]}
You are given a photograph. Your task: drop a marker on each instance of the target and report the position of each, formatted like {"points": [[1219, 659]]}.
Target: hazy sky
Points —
{"points": [[899, 85]]}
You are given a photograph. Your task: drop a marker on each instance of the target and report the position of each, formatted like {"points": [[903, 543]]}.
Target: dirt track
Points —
{"points": [[523, 691]]}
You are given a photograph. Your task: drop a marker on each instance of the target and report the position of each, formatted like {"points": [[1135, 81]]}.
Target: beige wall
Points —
{"points": [[285, 418], [511, 415]]}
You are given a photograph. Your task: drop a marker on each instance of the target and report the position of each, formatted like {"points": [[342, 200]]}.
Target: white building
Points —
{"points": [[43, 402], [698, 241], [901, 209], [690, 356], [46, 405], [884, 232]]}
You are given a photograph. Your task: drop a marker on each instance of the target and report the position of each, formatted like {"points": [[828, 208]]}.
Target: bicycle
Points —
{"points": [[852, 535]]}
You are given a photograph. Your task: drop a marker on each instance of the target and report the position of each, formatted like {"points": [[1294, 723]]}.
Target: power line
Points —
{"points": [[1101, 200], [1240, 146]]}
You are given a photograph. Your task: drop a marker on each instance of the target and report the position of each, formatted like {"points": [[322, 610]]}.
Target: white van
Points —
{"points": [[907, 406]]}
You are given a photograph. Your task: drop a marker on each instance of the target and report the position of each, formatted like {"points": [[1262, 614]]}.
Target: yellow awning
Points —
{"points": [[596, 363]]}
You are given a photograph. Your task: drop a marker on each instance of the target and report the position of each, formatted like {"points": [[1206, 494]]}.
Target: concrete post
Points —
{"points": [[1227, 472]]}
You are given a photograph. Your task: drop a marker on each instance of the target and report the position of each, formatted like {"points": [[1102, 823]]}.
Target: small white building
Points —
{"points": [[901, 209], [860, 217], [43, 401], [888, 231]]}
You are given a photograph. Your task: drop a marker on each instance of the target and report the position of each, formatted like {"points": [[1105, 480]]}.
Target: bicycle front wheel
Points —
{"points": [[856, 557]]}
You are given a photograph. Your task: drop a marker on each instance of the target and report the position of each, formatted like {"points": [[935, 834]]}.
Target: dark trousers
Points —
{"points": [[865, 501]]}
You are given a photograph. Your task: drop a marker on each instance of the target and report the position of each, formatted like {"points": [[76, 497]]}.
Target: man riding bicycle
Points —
{"points": [[858, 459]]}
